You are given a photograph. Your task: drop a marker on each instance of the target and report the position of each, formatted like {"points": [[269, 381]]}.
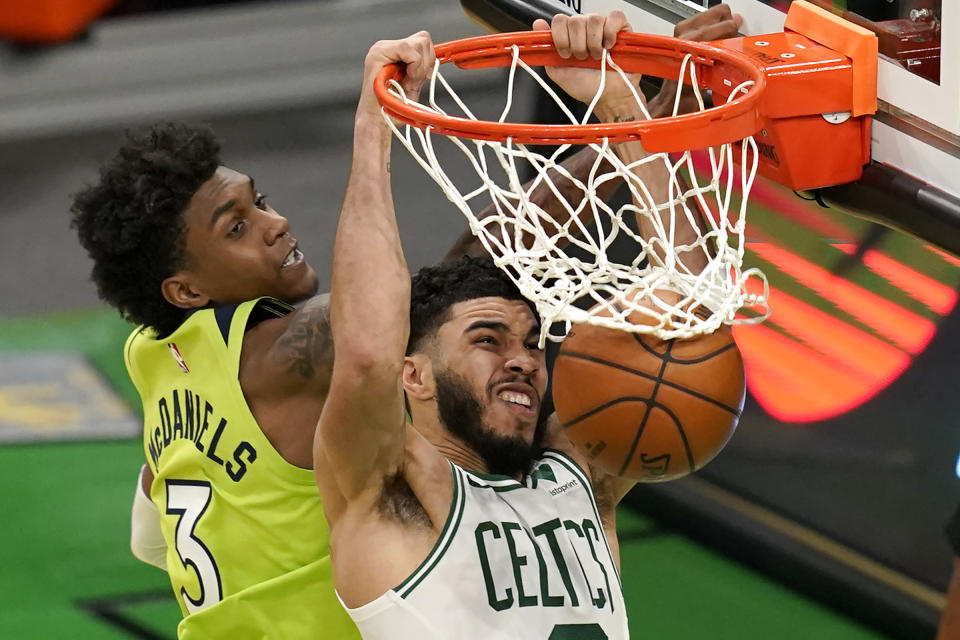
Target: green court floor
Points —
{"points": [[68, 573]]}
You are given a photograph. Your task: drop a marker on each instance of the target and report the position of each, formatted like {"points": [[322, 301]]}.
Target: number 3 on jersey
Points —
{"points": [[188, 499]]}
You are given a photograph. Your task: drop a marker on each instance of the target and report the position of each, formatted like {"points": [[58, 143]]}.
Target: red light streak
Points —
{"points": [[898, 325]]}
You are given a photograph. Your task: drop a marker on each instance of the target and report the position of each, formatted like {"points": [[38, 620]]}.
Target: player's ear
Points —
{"points": [[180, 291], [418, 380]]}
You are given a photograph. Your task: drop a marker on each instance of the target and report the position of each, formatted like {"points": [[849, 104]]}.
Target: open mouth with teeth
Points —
{"points": [[294, 257], [517, 399]]}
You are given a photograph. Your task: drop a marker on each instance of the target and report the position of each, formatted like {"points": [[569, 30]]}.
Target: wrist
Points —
{"points": [[624, 111], [371, 134], [370, 122], [660, 106]]}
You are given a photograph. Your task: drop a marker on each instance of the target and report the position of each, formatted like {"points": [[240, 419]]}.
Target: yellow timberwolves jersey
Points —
{"points": [[516, 560], [247, 542]]}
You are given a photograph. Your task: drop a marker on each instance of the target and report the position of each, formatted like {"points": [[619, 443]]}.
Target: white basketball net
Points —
{"points": [[545, 258]]}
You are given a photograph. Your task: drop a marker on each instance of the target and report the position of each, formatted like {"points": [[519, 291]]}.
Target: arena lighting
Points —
{"points": [[814, 361]]}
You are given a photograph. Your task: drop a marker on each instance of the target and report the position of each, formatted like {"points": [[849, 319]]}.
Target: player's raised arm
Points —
{"points": [[714, 24], [359, 439], [586, 36], [578, 36]]}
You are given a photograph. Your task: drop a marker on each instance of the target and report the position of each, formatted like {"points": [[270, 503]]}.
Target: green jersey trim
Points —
{"points": [[498, 483], [577, 471], [450, 527], [498, 478]]}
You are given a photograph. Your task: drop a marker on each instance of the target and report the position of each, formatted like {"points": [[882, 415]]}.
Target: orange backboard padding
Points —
{"points": [[48, 21], [856, 42]]}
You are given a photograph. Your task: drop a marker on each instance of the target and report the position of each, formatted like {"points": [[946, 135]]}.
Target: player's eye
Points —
{"points": [[485, 340], [237, 228], [260, 202], [533, 346]]}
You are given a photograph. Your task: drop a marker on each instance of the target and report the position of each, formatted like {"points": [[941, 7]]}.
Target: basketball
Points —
{"points": [[648, 409]]}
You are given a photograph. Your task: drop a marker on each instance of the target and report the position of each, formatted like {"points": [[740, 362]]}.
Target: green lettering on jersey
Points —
{"points": [[546, 598], [497, 604], [599, 599], [518, 562], [592, 534], [548, 530], [591, 631]]}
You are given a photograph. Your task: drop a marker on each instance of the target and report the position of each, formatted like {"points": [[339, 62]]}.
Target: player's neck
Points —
{"points": [[461, 455], [450, 447]]}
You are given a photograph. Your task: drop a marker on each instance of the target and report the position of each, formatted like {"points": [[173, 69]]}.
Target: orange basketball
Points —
{"points": [[644, 408]]}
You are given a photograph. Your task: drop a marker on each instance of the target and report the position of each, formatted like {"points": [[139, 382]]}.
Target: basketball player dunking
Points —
{"points": [[449, 518], [188, 248]]}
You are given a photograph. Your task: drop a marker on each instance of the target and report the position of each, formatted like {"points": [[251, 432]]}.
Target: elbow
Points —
{"points": [[367, 366], [367, 360], [370, 351]]}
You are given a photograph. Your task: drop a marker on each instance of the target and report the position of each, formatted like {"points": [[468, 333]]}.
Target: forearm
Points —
{"points": [[370, 287], [653, 186], [575, 168]]}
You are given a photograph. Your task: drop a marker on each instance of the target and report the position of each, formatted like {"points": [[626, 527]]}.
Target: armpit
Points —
{"points": [[397, 501]]}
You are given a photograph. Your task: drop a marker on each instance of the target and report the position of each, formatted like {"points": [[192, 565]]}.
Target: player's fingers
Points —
{"points": [[717, 31], [615, 23], [388, 51], [577, 33], [410, 52], [594, 35], [540, 25], [561, 37], [417, 52], [688, 28]]}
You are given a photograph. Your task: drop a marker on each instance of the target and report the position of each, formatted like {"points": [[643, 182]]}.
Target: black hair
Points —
{"points": [[131, 222], [436, 288]]}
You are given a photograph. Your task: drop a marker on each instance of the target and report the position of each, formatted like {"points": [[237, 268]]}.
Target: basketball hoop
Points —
{"points": [[716, 68], [545, 256]]}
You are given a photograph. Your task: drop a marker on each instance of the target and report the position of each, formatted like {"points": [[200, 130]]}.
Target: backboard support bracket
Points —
{"points": [[881, 195]]}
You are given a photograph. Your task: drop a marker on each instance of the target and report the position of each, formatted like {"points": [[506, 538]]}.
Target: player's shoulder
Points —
{"points": [[287, 349], [556, 442], [562, 468]]}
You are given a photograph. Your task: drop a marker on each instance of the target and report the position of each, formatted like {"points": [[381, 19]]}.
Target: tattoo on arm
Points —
{"points": [[307, 346]]}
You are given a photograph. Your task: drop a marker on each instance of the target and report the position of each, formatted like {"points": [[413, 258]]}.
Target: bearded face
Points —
{"points": [[462, 412]]}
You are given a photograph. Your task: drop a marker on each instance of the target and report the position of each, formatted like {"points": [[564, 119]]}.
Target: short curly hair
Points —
{"points": [[436, 288], [131, 222]]}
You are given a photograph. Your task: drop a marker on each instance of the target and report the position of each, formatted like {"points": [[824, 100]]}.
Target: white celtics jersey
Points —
{"points": [[526, 560]]}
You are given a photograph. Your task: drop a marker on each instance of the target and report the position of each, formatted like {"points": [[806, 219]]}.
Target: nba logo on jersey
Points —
{"points": [[176, 356]]}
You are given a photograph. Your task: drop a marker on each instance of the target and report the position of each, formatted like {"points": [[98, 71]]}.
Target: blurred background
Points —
{"points": [[278, 81]]}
